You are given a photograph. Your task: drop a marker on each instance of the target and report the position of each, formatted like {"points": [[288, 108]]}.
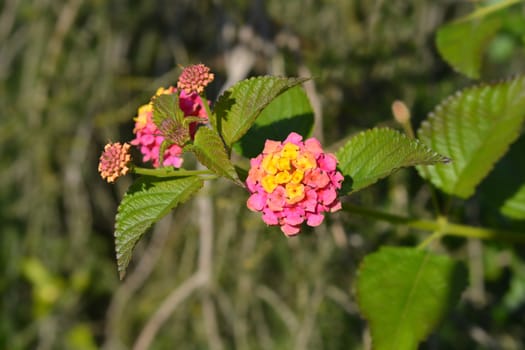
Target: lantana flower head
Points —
{"points": [[195, 78], [293, 182], [148, 137], [114, 161]]}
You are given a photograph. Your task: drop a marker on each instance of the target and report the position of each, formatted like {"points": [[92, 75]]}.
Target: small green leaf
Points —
{"points": [[404, 293], [146, 202], [504, 187], [238, 107], [291, 111], [374, 154], [474, 128], [166, 106], [210, 151], [462, 43], [514, 207]]}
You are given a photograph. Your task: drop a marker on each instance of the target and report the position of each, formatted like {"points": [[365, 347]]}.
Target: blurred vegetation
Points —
{"points": [[72, 76]]}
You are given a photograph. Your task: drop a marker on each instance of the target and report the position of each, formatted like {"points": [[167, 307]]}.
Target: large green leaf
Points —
{"points": [[210, 151], [374, 154], [404, 293], [474, 128], [238, 107], [462, 43], [146, 202], [291, 111]]}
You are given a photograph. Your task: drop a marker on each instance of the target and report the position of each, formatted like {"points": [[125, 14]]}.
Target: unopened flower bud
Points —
{"points": [[401, 112]]}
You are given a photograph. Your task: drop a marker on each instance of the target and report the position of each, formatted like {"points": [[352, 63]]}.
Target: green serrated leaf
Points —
{"points": [[462, 43], [374, 154], [146, 202], [474, 128], [404, 293], [210, 151], [290, 111], [238, 107], [166, 106], [170, 120]]}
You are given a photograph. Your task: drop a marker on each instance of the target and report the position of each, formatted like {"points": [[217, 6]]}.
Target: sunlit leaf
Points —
{"points": [[210, 151], [462, 43], [238, 107], [404, 293], [146, 202], [474, 128], [374, 154], [166, 106]]}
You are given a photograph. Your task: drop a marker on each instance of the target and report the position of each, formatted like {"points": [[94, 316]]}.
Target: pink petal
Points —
{"points": [[269, 217], [293, 216], [316, 178], [314, 219], [327, 196], [277, 199], [271, 146], [255, 162], [310, 201], [290, 230], [256, 202], [327, 162], [335, 206], [294, 138], [337, 178], [313, 145]]}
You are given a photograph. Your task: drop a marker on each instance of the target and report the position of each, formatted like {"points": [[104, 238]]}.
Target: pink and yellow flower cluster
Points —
{"points": [[293, 182], [149, 139]]}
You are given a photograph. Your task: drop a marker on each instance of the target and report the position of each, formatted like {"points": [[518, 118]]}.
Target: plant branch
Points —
{"points": [[169, 172], [167, 308], [443, 226]]}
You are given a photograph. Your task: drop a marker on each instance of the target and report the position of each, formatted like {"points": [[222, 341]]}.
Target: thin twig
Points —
{"points": [[305, 331], [166, 309], [280, 307], [206, 234]]}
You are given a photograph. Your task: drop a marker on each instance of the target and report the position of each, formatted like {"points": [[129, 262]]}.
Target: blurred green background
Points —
{"points": [[73, 73]]}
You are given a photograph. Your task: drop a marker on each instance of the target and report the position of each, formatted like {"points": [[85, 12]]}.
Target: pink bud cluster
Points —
{"points": [[114, 161], [149, 139], [293, 182], [195, 78]]}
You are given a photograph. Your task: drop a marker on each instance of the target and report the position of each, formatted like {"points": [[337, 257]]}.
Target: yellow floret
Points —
{"points": [[305, 161], [283, 177], [297, 176], [294, 192], [269, 164], [290, 151], [268, 183], [283, 163]]}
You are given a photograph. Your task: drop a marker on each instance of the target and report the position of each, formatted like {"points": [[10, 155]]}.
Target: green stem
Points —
{"points": [[435, 235], [169, 172], [486, 10], [443, 226], [206, 105]]}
